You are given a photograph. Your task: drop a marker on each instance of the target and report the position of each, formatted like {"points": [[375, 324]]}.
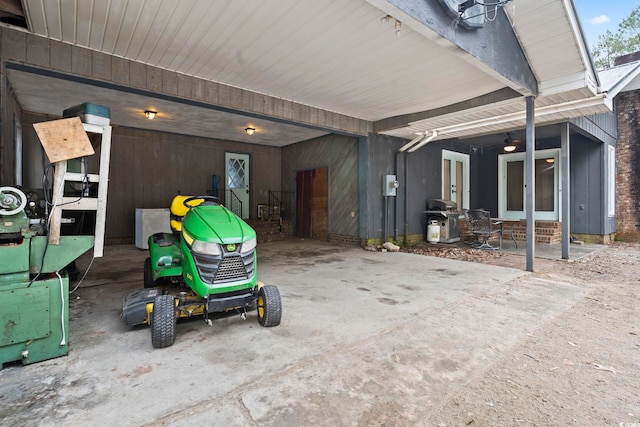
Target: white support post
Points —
{"points": [[103, 187], [530, 174], [565, 182], [55, 217]]}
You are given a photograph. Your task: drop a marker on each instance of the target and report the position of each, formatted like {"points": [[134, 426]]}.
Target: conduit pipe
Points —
{"points": [[413, 141], [510, 117], [425, 141], [420, 140]]}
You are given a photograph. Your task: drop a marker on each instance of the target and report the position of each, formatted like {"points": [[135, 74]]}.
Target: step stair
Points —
{"points": [[266, 231]]}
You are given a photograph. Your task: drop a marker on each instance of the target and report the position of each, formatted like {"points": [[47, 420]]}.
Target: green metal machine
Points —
{"points": [[34, 302], [35, 248]]}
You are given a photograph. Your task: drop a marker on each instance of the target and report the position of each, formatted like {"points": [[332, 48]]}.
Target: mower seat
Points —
{"points": [[179, 210]]}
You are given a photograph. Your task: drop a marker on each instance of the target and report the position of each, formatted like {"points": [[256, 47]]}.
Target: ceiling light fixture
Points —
{"points": [[150, 114], [249, 131], [510, 144]]}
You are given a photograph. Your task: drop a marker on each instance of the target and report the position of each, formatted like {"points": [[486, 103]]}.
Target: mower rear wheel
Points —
{"points": [[163, 321], [269, 306], [148, 274]]}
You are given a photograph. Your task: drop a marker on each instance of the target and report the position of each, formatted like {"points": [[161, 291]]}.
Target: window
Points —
{"points": [[611, 182]]}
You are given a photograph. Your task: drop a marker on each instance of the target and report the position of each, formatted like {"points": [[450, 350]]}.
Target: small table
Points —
{"points": [[511, 223]]}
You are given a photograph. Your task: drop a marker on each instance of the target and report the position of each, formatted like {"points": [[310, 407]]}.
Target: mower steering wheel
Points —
{"points": [[11, 197], [212, 199]]}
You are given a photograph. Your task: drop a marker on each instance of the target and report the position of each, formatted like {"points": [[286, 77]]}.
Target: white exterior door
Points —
{"points": [[455, 178], [237, 182], [511, 181]]}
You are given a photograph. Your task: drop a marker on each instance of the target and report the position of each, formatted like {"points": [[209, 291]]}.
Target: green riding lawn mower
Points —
{"points": [[205, 267]]}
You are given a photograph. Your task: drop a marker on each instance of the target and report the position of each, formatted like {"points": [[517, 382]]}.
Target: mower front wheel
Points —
{"points": [[269, 306], [163, 321]]}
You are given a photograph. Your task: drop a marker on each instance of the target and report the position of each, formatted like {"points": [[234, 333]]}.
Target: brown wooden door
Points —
{"points": [[304, 199], [312, 201]]}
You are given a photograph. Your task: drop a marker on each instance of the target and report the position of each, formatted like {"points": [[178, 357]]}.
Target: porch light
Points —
{"points": [[510, 144], [249, 131], [150, 114]]}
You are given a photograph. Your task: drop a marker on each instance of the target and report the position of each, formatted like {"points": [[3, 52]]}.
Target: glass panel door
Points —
{"points": [[515, 186], [237, 181], [455, 178], [512, 202]]}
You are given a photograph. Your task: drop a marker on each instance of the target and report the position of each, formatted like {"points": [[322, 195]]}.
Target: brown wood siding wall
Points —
{"points": [[339, 154], [148, 168], [153, 167]]}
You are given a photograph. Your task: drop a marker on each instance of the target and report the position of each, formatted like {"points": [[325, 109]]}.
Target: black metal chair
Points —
{"points": [[483, 228]]}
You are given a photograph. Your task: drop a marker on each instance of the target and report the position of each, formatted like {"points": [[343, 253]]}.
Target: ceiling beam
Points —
{"points": [[487, 99], [493, 48]]}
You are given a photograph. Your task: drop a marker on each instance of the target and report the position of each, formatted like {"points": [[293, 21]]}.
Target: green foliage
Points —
{"points": [[625, 40]]}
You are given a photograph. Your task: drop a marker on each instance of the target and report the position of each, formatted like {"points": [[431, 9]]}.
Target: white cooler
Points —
{"points": [[148, 222]]}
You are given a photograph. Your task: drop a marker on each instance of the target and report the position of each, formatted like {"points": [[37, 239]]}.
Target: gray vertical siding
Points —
{"points": [[422, 182], [380, 162], [602, 126], [587, 203], [340, 155]]}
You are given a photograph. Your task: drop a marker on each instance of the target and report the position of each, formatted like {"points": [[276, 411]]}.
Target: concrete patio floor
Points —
{"points": [[363, 334]]}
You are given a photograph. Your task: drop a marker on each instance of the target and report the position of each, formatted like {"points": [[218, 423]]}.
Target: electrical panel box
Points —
{"points": [[389, 185]]}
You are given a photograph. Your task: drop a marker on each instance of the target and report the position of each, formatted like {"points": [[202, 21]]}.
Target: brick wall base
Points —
{"points": [[546, 232]]}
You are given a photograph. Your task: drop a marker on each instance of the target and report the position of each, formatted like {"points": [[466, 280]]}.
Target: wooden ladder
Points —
{"points": [[98, 204]]}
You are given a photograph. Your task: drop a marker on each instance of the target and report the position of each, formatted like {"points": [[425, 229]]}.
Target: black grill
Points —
{"points": [[217, 269], [231, 267]]}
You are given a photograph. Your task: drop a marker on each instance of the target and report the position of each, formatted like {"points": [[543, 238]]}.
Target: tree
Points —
{"points": [[625, 40]]}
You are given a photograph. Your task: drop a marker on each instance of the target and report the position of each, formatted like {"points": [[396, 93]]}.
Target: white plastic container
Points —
{"points": [[433, 232]]}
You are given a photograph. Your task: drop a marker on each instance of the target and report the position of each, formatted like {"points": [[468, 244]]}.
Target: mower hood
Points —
{"points": [[216, 224]]}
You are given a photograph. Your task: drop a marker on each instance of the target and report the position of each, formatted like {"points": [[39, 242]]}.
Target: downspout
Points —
{"points": [[395, 203], [406, 200]]}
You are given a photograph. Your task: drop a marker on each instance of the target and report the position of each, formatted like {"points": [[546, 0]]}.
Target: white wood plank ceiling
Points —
{"points": [[335, 55], [550, 35]]}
